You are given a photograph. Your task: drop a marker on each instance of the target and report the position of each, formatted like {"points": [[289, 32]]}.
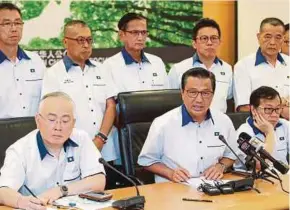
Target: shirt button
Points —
{"points": [[201, 158], [142, 81], [94, 123], [24, 107], [87, 86], [200, 142], [90, 98], [200, 172], [20, 94], [17, 79], [92, 110]]}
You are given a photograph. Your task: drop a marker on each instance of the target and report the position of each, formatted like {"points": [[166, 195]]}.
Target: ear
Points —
{"points": [[64, 41], [121, 35], [37, 121], [193, 43]]}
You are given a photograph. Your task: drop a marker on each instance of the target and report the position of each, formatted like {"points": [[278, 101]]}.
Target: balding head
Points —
{"points": [[70, 28], [55, 118]]}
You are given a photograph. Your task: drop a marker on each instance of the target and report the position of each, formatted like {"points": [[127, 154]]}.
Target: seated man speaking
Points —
{"points": [[52, 161], [184, 142]]}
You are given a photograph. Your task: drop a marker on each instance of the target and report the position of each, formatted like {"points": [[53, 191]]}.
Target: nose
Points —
{"points": [[58, 125], [198, 98]]}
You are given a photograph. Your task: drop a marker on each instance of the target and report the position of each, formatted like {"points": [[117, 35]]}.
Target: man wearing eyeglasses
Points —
{"points": [[265, 67], [21, 72], [265, 124], [88, 85], [53, 161], [285, 45], [132, 69], [184, 142], [206, 39]]}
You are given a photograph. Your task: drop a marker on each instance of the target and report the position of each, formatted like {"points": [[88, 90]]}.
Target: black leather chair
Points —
{"points": [[11, 130], [137, 111], [238, 118]]}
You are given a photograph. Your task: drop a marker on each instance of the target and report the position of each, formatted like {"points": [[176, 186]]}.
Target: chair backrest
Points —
{"points": [[137, 111], [11, 130], [238, 118]]}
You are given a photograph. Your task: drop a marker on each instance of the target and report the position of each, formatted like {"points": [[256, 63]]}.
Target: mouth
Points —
{"points": [[57, 136], [197, 108]]}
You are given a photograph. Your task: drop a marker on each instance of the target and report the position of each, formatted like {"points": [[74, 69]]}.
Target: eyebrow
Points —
{"points": [[5, 19], [54, 115]]}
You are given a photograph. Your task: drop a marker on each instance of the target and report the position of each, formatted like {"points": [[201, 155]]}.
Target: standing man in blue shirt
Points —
{"points": [[21, 71]]}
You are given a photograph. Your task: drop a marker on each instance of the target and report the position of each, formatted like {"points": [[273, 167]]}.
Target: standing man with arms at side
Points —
{"points": [[266, 67], [184, 142], [87, 84], [21, 72], [132, 69], [206, 39], [53, 161]]}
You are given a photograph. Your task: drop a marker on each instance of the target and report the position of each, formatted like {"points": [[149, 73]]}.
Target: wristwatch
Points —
{"points": [[63, 190]]}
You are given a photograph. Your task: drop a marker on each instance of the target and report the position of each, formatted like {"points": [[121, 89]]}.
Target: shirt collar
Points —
{"points": [[260, 58], [186, 118], [42, 149], [20, 55], [129, 60], [68, 63], [255, 129], [195, 59]]}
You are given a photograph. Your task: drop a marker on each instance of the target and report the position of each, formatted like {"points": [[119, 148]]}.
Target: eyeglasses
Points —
{"points": [[136, 33], [53, 120], [269, 37], [17, 24], [82, 40], [204, 39], [268, 110], [194, 94]]}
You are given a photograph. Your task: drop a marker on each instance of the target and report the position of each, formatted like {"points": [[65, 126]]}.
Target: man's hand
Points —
{"points": [[99, 143], [261, 123], [31, 203], [214, 172], [51, 195], [179, 175]]}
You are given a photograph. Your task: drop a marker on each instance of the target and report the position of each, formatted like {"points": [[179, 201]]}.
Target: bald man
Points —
{"points": [[53, 161], [86, 83]]}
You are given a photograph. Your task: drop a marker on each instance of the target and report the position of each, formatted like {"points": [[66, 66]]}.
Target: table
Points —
{"points": [[168, 196]]}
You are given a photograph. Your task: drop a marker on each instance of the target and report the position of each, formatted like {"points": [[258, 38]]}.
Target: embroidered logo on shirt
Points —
{"points": [[155, 75], [223, 73], [282, 138], [98, 77], [216, 133], [70, 159], [67, 81], [32, 70]]}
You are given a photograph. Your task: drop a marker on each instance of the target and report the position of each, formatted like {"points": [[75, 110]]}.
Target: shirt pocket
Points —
{"points": [[99, 88], [222, 87], [215, 151], [33, 86], [71, 173]]}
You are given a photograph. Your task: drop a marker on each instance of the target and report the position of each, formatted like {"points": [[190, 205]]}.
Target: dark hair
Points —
{"points": [[10, 6], [73, 23], [263, 92], [123, 22], [286, 27], [199, 73], [205, 22], [272, 21]]}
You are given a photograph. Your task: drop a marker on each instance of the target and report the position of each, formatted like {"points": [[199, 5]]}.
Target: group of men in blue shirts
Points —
{"points": [[78, 94]]}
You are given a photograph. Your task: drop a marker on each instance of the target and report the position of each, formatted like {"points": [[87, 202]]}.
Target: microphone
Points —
{"points": [[257, 145], [126, 203], [222, 138]]}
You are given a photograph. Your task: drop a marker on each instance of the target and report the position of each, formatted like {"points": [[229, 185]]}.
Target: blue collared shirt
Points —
{"points": [[195, 58], [20, 55], [186, 118], [260, 58], [129, 60], [255, 129], [68, 63]]}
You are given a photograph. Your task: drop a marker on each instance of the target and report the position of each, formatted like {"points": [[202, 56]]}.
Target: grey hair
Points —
{"points": [[58, 94]]}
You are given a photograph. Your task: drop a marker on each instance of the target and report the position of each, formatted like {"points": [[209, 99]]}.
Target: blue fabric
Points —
{"points": [[68, 63], [195, 59], [261, 59], [129, 60], [42, 149], [20, 55], [186, 118]]}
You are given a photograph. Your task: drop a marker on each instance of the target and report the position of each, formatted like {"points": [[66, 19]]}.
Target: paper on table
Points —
{"points": [[81, 203], [195, 182]]}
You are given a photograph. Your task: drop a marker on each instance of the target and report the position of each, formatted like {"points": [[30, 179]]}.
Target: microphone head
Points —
{"points": [[222, 138], [244, 136], [101, 160], [280, 166]]}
